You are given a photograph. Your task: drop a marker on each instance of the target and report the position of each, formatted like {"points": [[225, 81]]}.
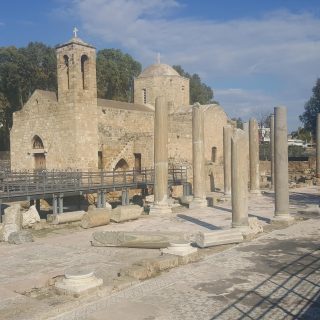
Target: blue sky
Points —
{"points": [[254, 54]]}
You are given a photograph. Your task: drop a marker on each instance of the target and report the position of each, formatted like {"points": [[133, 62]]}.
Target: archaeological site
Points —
{"points": [[158, 209]]}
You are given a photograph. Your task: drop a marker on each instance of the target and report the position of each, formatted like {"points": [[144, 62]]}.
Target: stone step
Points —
{"points": [[215, 238]]}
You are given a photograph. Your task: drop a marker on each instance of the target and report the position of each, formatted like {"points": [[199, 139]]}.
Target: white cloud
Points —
{"points": [[244, 103], [281, 47]]}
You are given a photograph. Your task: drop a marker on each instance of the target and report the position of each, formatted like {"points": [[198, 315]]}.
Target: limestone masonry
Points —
{"points": [[75, 130]]}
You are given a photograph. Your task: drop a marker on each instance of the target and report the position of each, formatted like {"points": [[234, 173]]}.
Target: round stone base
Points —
{"points": [[255, 192], [158, 210], [78, 281], [198, 203], [241, 228], [283, 219], [179, 248]]}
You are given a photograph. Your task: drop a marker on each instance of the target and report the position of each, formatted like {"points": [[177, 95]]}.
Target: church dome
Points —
{"points": [[158, 69]]}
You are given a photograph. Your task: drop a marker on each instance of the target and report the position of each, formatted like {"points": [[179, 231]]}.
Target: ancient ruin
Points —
{"points": [[239, 179], [281, 211], [52, 131], [153, 185]]}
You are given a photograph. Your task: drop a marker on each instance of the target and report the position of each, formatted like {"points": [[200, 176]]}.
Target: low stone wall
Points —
{"points": [[294, 166]]}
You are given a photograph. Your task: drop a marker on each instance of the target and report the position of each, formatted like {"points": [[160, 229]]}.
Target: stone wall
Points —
{"points": [[176, 89], [79, 131], [293, 166], [68, 133], [124, 132], [180, 142]]}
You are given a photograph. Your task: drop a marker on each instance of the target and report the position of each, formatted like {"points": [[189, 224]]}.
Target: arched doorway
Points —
{"points": [[122, 165], [39, 154]]}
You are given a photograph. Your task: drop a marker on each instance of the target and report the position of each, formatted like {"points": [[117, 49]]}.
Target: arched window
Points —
{"points": [[37, 143], [85, 71], [122, 165], [66, 66]]}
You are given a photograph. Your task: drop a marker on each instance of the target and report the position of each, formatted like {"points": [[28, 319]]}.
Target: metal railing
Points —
{"points": [[24, 184]]}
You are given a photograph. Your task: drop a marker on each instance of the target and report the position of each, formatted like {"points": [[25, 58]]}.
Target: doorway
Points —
{"points": [[39, 154], [39, 161]]}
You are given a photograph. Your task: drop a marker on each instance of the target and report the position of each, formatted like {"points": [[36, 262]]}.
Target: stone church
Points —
{"points": [[73, 129]]}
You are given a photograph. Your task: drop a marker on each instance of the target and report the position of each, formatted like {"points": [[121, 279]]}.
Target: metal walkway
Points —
{"points": [[16, 186]]}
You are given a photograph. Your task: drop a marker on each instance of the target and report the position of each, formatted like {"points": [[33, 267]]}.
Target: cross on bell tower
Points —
{"points": [[75, 30]]}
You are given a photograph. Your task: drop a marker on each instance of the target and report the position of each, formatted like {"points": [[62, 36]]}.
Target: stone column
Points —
{"points": [[281, 165], [160, 158], [254, 156], [272, 149], [246, 128], [60, 203], [318, 147], [55, 204], [199, 185], [239, 179], [227, 135]]}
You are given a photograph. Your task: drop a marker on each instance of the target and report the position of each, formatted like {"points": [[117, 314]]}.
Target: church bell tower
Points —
{"points": [[77, 101], [76, 71]]}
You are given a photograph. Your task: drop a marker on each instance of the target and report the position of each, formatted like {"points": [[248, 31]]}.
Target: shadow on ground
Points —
{"points": [[291, 292], [298, 198], [198, 222]]}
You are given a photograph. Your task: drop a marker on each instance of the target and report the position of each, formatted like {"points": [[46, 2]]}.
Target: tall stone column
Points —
{"points": [[160, 205], [318, 146], [199, 186], [281, 165], [239, 179], [246, 128], [227, 135], [254, 156], [272, 149]]}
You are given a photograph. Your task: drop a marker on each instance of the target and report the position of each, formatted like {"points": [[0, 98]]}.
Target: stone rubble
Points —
{"points": [[30, 217]]}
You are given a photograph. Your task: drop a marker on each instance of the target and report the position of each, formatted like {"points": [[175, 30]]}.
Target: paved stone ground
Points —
{"points": [[196, 291], [274, 277]]}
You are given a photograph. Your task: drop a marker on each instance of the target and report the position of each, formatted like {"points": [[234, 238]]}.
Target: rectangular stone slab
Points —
{"points": [[128, 239], [219, 237]]}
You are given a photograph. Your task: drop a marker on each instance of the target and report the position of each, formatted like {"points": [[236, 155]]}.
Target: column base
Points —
{"points": [[283, 219], [179, 248], [227, 195], [256, 192], [198, 203], [156, 209], [241, 228]]}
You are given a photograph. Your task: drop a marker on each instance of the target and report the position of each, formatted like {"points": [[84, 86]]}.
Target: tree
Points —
{"points": [[21, 72], [42, 65], [199, 92], [239, 122], [312, 108], [263, 118], [5, 111], [115, 73], [302, 134]]}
